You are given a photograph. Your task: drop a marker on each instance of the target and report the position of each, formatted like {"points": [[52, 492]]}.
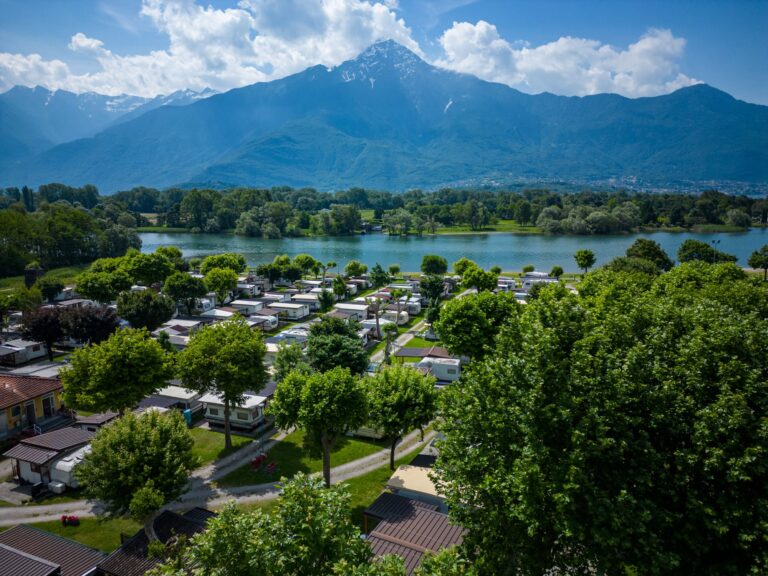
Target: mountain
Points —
{"points": [[389, 120]]}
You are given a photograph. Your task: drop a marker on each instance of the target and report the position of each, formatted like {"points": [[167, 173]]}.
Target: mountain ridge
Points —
{"points": [[389, 120]]}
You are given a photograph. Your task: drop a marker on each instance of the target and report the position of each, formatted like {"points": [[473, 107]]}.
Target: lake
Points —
{"points": [[510, 251]]}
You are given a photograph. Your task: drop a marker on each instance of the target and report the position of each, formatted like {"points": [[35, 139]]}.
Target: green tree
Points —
{"points": [[433, 265], [616, 434], [650, 250], [305, 262], [115, 374], [43, 325], [400, 399], [137, 464], [556, 271], [222, 281], [759, 259], [469, 325], [175, 256], [585, 259], [326, 299], [339, 286], [334, 342], [480, 279], [355, 268], [528, 268], [235, 262], [394, 269], [227, 359], [50, 287], [186, 288], [326, 405], [696, 250], [308, 533], [89, 324], [145, 309], [148, 269], [378, 276], [290, 357], [462, 265], [432, 287], [103, 287]]}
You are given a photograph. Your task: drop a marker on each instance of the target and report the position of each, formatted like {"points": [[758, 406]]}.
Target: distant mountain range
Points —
{"points": [[385, 120]]}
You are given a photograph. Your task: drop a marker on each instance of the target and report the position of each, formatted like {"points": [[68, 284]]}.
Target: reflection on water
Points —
{"points": [[510, 251]]}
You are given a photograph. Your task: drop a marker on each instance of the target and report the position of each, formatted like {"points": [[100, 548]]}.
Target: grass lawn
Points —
{"points": [[209, 445], [71, 495], [419, 342], [500, 226], [103, 535], [66, 274], [290, 456]]}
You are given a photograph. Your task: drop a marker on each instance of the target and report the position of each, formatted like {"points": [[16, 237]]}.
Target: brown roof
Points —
{"points": [[131, 558], [73, 558], [388, 506], [409, 536], [17, 389], [30, 454], [269, 312], [62, 439], [434, 351], [411, 557], [101, 418], [16, 563]]}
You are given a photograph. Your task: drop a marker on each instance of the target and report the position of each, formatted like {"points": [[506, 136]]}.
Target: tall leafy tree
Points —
{"points": [[432, 264], [227, 359], [50, 287], [334, 342], [92, 324], [326, 300], [696, 250], [462, 265], [222, 281], [339, 286], [185, 288], [137, 464], [309, 532], [615, 431], [115, 374], [378, 276], [759, 259], [104, 286], [432, 287], [235, 262], [355, 268], [148, 269], [43, 325], [305, 262], [585, 259], [400, 399], [289, 358], [326, 405], [478, 278], [650, 250], [394, 269], [145, 309]]}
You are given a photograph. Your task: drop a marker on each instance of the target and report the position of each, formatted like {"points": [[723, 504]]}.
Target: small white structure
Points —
{"points": [[63, 469], [266, 323], [371, 325], [246, 415], [391, 315], [248, 288], [218, 314], [504, 284], [530, 279], [15, 352], [247, 307], [277, 297], [310, 299], [444, 369], [293, 310], [358, 308], [351, 288], [185, 399]]}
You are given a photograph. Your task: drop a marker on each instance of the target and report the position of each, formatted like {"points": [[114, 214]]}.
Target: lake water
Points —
{"points": [[510, 251]]}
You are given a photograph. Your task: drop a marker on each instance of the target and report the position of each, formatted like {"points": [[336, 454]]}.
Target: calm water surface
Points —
{"points": [[510, 251]]}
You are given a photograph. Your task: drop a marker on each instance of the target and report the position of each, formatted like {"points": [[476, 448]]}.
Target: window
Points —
{"points": [[16, 411], [213, 411], [241, 415], [49, 407], [35, 468], [451, 371], [36, 348]]}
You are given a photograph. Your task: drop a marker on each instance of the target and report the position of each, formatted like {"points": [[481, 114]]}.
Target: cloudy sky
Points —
{"points": [[569, 47]]}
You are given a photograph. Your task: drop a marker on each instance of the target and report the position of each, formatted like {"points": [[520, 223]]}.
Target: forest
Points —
{"points": [[62, 225]]}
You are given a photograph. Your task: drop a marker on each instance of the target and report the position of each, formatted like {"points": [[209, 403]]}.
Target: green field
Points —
{"points": [[290, 456], [500, 226], [66, 274], [209, 445], [103, 535]]}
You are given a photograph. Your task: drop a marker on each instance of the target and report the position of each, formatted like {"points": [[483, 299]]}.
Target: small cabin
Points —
{"points": [[247, 415], [293, 310]]}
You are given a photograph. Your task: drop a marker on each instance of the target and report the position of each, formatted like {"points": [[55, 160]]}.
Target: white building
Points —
{"points": [[360, 309], [247, 307], [310, 299], [293, 310], [246, 415]]}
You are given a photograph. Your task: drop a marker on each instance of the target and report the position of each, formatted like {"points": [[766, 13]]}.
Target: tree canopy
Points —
{"points": [[334, 342], [145, 309], [222, 281], [619, 430], [432, 264], [325, 404], [650, 250], [585, 259], [227, 359], [115, 374], [696, 250], [229, 260], [186, 288], [759, 259]]}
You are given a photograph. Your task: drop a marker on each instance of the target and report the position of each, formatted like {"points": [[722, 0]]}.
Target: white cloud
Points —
{"points": [[567, 66], [220, 48]]}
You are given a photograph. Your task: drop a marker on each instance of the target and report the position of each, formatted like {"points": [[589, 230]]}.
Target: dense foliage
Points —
{"points": [[621, 430]]}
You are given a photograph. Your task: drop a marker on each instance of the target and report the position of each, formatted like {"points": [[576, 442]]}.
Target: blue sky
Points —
{"points": [[571, 47]]}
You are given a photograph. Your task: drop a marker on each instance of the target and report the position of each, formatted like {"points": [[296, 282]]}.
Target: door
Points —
{"points": [[29, 408], [3, 423], [48, 407]]}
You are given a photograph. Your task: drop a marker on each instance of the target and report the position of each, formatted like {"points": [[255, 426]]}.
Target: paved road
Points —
{"points": [[203, 492]]}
